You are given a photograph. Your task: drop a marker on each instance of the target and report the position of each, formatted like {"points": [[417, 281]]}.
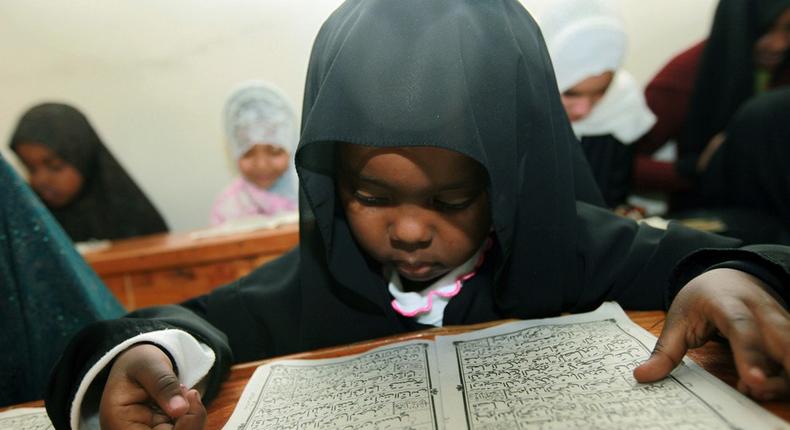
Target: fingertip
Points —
{"points": [[653, 369], [757, 375], [177, 405]]}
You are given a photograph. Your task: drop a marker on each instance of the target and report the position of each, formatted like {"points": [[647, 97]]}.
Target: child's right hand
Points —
{"points": [[143, 392]]}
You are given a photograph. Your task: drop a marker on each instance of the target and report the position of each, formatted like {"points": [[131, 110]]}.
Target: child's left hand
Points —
{"points": [[745, 311]]}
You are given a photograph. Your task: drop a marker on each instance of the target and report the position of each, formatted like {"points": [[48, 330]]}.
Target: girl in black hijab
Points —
{"points": [[79, 180], [746, 53], [744, 60], [436, 169]]}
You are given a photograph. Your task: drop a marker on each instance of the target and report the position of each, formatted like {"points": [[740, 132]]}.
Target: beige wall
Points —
{"points": [[152, 75]]}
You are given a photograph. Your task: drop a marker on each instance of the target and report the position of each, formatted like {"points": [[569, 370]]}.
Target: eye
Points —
{"points": [[452, 206], [56, 165], [369, 200], [276, 150]]}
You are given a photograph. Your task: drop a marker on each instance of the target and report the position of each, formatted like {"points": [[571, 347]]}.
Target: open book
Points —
{"points": [[25, 419], [559, 373]]}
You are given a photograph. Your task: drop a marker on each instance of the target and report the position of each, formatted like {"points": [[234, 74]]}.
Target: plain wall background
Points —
{"points": [[153, 75]]}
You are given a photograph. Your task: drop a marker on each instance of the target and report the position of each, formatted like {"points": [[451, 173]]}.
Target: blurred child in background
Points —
{"points": [[77, 177], [606, 107], [261, 131], [48, 292]]}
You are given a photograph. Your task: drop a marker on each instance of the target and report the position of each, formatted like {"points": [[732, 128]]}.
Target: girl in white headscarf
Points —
{"points": [[607, 108], [262, 134]]}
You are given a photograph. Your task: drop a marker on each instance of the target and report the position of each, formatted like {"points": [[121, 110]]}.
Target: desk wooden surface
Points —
{"points": [[172, 267], [713, 357]]}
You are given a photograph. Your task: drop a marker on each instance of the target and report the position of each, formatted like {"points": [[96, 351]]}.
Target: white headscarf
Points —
{"points": [[587, 38], [257, 112]]}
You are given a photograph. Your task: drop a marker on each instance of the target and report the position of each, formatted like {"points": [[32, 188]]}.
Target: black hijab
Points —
{"points": [[470, 76], [109, 205], [726, 75]]}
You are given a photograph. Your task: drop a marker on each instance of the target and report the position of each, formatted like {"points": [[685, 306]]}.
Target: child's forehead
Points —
{"points": [[439, 161], [258, 146], [349, 152]]}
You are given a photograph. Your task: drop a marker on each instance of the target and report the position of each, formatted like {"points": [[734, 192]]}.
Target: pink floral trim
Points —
{"points": [[458, 283]]}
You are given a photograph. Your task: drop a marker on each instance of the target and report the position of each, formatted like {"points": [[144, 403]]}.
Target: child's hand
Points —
{"points": [[142, 392], [744, 311]]}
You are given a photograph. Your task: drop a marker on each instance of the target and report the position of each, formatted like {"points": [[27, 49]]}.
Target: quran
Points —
{"points": [[558, 373], [25, 418]]}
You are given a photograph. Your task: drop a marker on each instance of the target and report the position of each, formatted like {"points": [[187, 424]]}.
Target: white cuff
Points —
{"points": [[192, 359]]}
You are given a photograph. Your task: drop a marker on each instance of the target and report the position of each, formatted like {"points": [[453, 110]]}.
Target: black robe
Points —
{"points": [[110, 205], [612, 166], [470, 76], [750, 170]]}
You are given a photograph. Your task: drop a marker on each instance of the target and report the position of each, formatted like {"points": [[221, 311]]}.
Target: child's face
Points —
{"points": [[263, 164], [772, 47], [422, 210], [55, 180], [580, 99]]}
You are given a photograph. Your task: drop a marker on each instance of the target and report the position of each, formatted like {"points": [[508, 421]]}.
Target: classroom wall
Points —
{"points": [[152, 75]]}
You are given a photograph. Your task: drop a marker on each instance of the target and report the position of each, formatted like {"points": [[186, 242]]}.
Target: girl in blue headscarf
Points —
{"points": [[48, 291]]}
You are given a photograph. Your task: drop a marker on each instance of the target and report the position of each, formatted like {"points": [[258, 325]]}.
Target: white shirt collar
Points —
{"points": [[427, 305]]}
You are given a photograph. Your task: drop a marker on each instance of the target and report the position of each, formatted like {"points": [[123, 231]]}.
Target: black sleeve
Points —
{"points": [[95, 340], [249, 319], [632, 263], [642, 267], [770, 263]]}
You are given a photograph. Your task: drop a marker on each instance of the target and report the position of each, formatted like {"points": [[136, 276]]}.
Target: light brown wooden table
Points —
{"points": [[713, 357], [172, 267]]}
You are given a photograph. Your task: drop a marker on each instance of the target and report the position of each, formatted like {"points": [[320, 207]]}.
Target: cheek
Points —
{"points": [[369, 228], [281, 163], [567, 103], [245, 167], [70, 182], [465, 234]]}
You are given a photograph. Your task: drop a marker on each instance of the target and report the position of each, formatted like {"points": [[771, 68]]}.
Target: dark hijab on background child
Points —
{"points": [[48, 291], [465, 79], [740, 179], [745, 54], [79, 180]]}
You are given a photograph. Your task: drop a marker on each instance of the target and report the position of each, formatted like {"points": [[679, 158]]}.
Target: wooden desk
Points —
{"points": [[172, 267], [714, 357]]}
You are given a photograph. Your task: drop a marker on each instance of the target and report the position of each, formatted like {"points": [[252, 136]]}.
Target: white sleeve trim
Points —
{"points": [[192, 358]]}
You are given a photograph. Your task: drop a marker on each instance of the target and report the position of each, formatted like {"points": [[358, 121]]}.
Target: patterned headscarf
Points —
{"points": [[257, 113]]}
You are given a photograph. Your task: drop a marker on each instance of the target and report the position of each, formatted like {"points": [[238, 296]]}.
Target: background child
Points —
{"points": [[48, 291], [79, 180], [436, 161], [745, 58], [606, 107], [697, 93], [262, 134]]}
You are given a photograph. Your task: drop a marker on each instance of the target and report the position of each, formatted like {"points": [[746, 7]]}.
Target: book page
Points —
{"points": [[388, 387], [575, 372], [25, 419]]}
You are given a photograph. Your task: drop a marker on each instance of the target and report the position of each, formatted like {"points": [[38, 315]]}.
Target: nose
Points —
{"points": [[262, 163], [39, 179], [582, 107], [410, 230]]}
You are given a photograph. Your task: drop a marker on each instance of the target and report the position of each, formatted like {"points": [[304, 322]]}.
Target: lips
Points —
{"points": [[49, 195], [417, 271]]}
